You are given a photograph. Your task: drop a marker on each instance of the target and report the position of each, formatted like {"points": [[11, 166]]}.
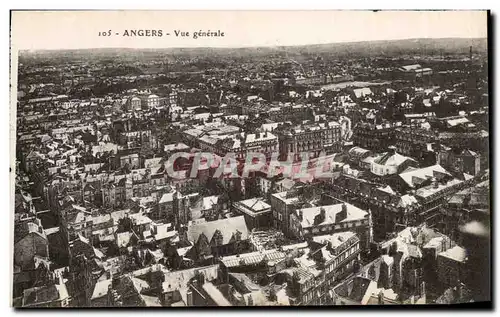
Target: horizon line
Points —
{"points": [[246, 47]]}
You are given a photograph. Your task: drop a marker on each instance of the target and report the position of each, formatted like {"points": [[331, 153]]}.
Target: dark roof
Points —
{"points": [[129, 290], [359, 288], [39, 295]]}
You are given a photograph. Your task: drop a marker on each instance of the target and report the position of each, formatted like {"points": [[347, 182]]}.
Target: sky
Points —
{"points": [[35, 30]]}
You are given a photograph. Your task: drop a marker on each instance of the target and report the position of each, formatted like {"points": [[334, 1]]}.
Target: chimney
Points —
{"points": [[461, 289], [60, 279], [456, 291], [392, 150], [381, 298], [201, 278], [189, 298], [115, 281], [329, 246], [342, 214], [320, 217]]}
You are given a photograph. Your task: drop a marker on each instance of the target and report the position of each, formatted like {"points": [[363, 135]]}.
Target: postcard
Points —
{"points": [[250, 158]]}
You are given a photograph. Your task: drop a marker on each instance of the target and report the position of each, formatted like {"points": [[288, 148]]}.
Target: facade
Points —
{"points": [[149, 101], [374, 136], [134, 103], [289, 112], [327, 259], [246, 143], [331, 219], [465, 161], [282, 206], [310, 138], [412, 140], [451, 266], [30, 241]]}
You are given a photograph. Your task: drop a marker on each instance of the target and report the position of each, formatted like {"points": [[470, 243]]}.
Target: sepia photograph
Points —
{"points": [[181, 159]]}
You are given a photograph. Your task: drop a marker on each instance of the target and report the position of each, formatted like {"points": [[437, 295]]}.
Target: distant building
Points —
{"points": [[134, 103], [415, 71], [360, 93], [149, 101]]}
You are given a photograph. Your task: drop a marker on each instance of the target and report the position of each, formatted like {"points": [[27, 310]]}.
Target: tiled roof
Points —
{"points": [[253, 258]]}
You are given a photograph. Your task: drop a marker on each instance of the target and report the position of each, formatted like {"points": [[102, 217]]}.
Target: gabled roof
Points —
{"points": [[391, 159], [44, 294], [23, 229], [456, 253], [228, 227], [101, 289], [412, 175], [123, 239], [358, 290], [331, 211]]}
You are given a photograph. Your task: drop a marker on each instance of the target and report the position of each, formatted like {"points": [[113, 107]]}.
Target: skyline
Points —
{"points": [[245, 47], [42, 30]]}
